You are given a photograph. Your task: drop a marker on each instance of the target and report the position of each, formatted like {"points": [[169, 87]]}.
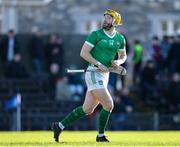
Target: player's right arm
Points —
{"points": [[86, 55], [89, 44]]}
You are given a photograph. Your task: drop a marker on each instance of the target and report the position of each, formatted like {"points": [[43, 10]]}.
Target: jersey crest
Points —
{"points": [[111, 42]]}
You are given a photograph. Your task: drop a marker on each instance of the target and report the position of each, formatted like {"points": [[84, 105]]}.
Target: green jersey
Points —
{"points": [[105, 47]]}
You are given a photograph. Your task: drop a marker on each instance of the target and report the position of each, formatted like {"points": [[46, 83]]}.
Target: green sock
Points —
{"points": [[103, 119], [76, 114]]}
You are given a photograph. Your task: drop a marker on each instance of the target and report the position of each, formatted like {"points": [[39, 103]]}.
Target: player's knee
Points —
{"points": [[109, 106], [88, 110]]}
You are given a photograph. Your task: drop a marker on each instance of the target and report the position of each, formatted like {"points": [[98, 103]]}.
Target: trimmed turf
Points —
{"points": [[87, 138]]}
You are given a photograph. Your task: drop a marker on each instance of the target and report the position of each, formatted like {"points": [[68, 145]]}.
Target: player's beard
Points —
{"points": [[107, 26]]}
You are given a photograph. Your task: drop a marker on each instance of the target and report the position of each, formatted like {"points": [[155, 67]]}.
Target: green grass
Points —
{"points": [[87, 138]]}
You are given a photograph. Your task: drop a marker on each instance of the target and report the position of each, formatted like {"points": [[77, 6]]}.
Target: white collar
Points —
{"points": [[110, 35]]}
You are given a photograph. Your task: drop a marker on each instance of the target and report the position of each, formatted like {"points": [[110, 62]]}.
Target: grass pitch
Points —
{"points": [[87, 138]]}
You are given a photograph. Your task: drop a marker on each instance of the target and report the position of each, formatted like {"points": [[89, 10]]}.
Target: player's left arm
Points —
{"points": [[122, 56]]}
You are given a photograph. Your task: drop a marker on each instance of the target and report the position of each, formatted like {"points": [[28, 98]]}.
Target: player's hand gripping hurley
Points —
{"points": [[120, 70]]}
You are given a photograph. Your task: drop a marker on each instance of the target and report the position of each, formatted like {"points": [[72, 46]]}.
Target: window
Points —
{"points": [[1, 19], [164, 24], [177, 26], [170, 27], [91, 26], [87, 26]]}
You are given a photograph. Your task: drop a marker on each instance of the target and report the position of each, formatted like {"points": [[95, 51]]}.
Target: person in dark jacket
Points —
{"points": [[36, 47], [148, 80], [54, 51], [9, 47], [174, 56], [16, 69]]}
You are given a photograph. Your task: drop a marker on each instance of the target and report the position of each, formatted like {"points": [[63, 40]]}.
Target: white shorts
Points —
{"points": [[96, 80]]}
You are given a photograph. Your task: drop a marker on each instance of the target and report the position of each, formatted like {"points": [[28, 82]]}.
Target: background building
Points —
{"points": [[143, 17]]}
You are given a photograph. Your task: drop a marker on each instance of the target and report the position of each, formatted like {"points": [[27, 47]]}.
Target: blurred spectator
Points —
{"points": [[127, 101], [148, 80], [156, 52], [165, 47], [63, 89], [16, 69], [36, 47], [124, 102], [76, 85], [174, 56], [54, 51], [113, 77], [137, 60], [52, 80], [9, 47], [173, 93], [127, 45]]}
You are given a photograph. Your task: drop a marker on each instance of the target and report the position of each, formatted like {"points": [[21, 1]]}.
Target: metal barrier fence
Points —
{"points": [[118, 121]]}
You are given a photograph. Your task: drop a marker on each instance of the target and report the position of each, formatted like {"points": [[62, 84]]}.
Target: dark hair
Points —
{"points": [[137, 42], [11, 31], [155, 38]]}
